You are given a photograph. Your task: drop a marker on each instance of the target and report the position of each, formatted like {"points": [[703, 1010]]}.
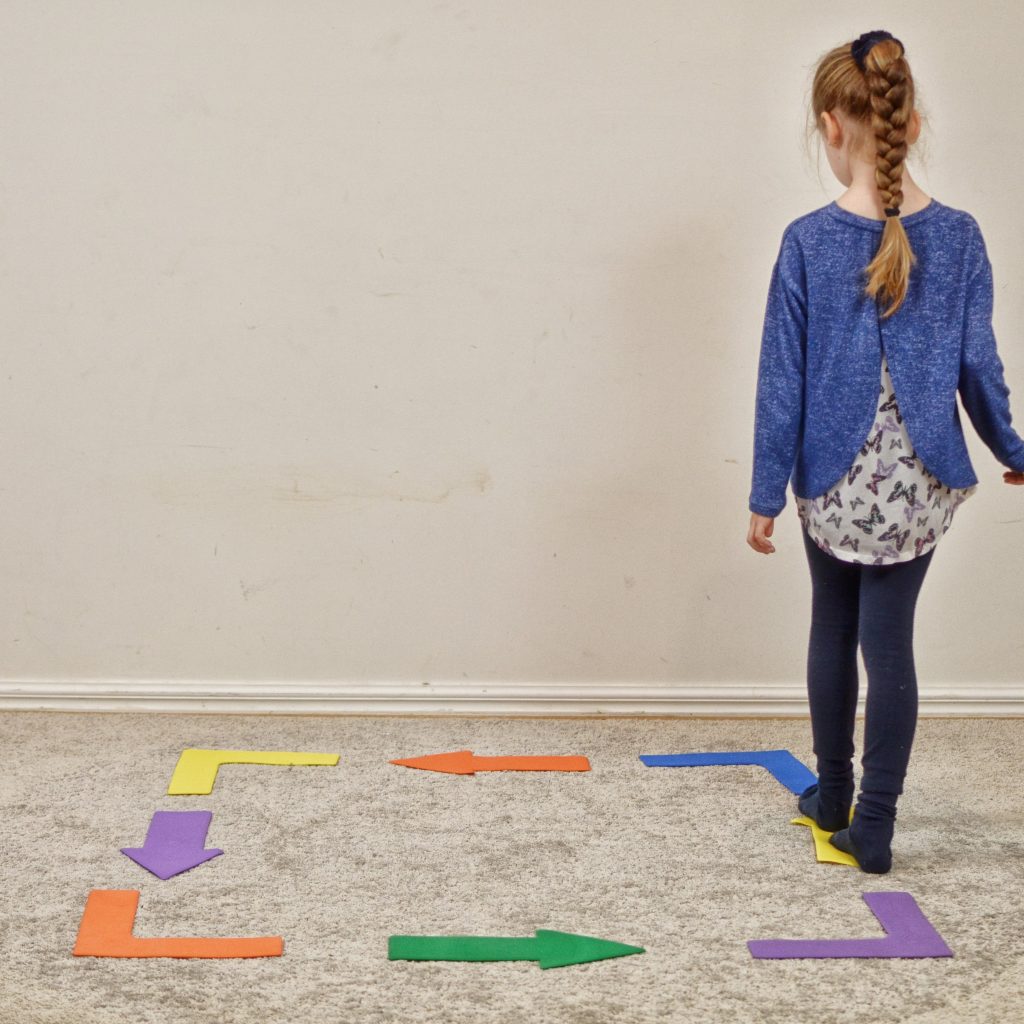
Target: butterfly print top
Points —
{"points": [[887, 507]]}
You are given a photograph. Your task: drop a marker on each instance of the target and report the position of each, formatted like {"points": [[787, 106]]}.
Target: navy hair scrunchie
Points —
{"points": [[860, 47]]}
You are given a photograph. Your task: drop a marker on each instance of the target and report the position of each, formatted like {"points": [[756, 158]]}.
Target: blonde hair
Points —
{"points": [[881, 99]]}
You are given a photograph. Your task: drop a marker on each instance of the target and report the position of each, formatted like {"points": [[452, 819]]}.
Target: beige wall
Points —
{"points": [[383, 343]]}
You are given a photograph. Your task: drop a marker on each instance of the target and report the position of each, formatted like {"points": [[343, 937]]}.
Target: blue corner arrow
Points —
{"points": [[793, 774]]}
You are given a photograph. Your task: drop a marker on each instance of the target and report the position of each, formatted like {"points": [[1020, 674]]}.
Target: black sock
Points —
{"points": [[867, 842], [830, 810]]}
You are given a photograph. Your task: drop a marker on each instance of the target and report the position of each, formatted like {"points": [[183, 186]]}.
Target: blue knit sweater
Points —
{"points": [[821, 353]]}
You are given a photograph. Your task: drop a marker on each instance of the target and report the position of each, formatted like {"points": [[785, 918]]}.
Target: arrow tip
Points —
{"points": [[455, 762], [559, 949], [164, 864]]}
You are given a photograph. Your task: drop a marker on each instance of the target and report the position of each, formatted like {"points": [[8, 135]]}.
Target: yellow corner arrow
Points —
{"points": [[823, 849], [196, 770]]}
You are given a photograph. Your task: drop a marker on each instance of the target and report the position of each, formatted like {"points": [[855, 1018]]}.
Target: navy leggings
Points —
{"points": [[873, 605]]}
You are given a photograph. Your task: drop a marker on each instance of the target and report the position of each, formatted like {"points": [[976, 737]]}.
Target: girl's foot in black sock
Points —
{"points": [[871, 850], [830, 813]]}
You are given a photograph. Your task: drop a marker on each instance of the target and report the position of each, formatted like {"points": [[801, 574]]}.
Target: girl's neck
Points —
{"points": [[862, 197]]}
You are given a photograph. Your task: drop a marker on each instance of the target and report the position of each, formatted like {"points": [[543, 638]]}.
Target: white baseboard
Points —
{"points": [[427, 698]]}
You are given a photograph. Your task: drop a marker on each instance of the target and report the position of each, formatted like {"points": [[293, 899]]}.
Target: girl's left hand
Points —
{"points": [[761, 528]]}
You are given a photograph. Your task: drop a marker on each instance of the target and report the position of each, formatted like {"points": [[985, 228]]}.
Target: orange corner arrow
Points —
{"points": [[106, 930], [464, 762]]}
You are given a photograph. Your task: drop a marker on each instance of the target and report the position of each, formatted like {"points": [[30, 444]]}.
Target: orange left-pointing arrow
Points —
{"points": [[465, 762], [106, 930]]}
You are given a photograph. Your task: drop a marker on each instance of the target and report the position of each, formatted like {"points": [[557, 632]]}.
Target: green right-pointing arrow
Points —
{"points": [[548, 948]]}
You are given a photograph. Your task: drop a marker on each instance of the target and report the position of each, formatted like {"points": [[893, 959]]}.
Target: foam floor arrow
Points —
{"points": [[175, 842], [548, 948], [824, 851], [196, 770], [793, 774], [465, 762], [908, 934], [106, 930]]}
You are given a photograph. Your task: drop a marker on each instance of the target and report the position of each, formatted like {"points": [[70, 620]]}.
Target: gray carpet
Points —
{"points": [[688, 863]]}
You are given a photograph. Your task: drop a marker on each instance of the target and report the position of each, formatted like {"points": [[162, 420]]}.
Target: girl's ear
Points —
{"points": [[831, 128], [913, 127]]}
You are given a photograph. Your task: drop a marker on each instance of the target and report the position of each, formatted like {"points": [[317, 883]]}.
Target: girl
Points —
{"points": [[879, 311]]}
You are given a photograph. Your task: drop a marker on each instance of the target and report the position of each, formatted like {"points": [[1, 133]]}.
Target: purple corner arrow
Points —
{"points": [[908, 934], [174, 843]]}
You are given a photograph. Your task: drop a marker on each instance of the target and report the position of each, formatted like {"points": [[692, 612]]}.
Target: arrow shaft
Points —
{"points": [[908, 934], [196, 770], [461, 947], [787, 769], [178, 828], [106, 930], [567, 763]]}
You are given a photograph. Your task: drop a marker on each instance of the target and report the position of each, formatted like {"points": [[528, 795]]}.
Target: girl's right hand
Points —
{"points": [[761, 528]]}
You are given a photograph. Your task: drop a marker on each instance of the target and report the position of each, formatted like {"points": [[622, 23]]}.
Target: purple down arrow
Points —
{"points": [[908, 934], [174, 843]]}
